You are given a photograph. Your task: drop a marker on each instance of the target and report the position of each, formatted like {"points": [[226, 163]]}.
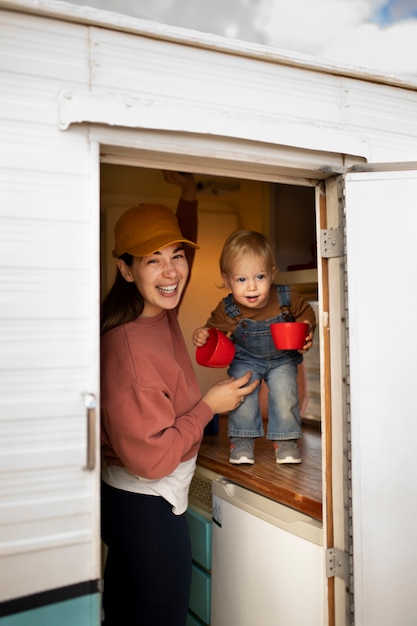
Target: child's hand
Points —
{"points": [[308, 341], [200, 336]]}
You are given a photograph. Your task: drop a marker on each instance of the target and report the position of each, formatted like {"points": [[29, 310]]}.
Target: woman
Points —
{"points": [[153, 416]]}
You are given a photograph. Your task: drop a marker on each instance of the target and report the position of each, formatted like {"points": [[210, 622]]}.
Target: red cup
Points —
{"points": [[289, 335], [218, 351]]}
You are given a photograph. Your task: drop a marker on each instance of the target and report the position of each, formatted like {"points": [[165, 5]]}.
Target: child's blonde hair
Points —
{"points": [[243, 243]]}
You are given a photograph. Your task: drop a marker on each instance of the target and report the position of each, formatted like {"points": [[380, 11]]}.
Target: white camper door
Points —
{"points": [[49, 373], [381, 227]]}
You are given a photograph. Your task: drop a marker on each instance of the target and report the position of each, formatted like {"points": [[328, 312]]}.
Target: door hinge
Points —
{"points": [[331, 242], [337, 564]]}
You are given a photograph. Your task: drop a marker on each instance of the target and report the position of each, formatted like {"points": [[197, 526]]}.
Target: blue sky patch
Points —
{"points": [[396, 11]]}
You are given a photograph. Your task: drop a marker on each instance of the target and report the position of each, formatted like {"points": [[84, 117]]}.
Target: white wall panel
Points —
{"points": [[49, 293], [381, 221], [150, 83]]}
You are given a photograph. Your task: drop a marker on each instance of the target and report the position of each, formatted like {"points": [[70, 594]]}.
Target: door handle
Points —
{"points": [[90, 402]]}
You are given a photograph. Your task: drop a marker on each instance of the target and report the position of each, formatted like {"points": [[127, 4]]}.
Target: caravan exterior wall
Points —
{"points": [[49, 550], [76, 83]]}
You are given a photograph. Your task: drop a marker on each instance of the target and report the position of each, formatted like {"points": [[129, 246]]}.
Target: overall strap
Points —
{"points": [[231, 309], [284, 299]]}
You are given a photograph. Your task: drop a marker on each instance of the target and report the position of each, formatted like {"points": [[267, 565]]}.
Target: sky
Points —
{"points": [[371, 34]]}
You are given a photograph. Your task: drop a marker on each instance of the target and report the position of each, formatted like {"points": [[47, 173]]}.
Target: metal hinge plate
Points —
{"points": [[331, 243], [337, 564]]}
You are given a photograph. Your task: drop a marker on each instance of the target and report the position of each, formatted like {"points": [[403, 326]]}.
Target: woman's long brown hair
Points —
{"points": [[124, 303]]}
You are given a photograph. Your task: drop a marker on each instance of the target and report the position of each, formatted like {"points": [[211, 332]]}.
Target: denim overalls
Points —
{"points": [[255, 351]]}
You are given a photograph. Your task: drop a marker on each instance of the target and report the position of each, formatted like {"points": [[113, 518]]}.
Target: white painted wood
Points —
{"points": [[184, 89], [381, 222], [205, 91], [49, 233], [87, 15], [249, 121], [224, 156]]}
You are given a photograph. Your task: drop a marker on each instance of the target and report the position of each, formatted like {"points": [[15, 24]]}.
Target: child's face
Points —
{"points": [[250, 282]]}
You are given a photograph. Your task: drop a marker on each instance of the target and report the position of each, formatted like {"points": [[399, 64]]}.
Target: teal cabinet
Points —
{"points": [[199, 523], [192, 620], [200, 530]]}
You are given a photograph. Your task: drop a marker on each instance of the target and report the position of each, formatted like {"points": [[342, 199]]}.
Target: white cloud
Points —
{"points": [[343, 31], [392, 49], [373, 34], [306, 25]]}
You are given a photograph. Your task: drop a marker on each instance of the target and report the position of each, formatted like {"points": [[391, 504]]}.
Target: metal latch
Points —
{"points": [[337, 564], [331, 243]]}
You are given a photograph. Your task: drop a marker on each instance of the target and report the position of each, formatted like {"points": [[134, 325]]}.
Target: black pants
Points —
{"points": [[147, 576]]}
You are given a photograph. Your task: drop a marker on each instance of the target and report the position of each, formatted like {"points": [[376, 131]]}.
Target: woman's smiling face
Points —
{"points": [[160, 277]]}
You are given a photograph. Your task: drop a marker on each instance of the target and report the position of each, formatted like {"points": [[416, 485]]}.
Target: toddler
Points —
{"points": [[247, 267]]}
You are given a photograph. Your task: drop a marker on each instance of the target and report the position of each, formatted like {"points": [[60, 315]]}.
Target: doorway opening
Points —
{"points": [[284, 212]]}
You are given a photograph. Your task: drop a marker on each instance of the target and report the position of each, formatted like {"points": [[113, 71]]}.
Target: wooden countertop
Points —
{"points": [[298, 486]]}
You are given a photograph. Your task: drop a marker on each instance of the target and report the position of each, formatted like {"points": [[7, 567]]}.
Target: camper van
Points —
{"points": [[322, 158]]}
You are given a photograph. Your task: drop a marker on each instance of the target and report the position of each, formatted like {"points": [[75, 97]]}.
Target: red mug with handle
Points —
{"points": [[218, 351], [289, 335]]}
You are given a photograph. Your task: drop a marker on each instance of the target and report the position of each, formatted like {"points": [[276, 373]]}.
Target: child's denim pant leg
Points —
{"points": [[284, 420], [246, 420]]}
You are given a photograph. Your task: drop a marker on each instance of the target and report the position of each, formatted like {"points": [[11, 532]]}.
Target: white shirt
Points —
{"points": [[173, 488]]}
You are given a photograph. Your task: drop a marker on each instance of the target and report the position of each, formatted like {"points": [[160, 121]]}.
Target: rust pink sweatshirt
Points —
{"points": [[152, 414]]}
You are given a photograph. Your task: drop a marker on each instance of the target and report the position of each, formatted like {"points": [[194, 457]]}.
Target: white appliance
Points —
{"points": [[268, 566]]}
